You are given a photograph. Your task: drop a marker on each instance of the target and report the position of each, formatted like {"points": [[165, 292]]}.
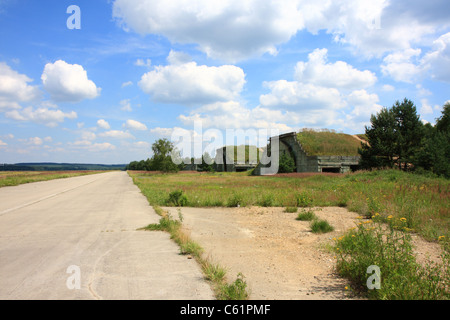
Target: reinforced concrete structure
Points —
{"points": [[289, 144]]}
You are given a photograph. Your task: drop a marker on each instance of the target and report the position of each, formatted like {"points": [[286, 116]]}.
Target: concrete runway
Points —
{"points": [[76, 238]]}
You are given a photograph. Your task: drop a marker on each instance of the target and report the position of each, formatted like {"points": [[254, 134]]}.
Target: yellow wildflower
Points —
{"points": [[441, 238], [389, 217], [403, 219]]}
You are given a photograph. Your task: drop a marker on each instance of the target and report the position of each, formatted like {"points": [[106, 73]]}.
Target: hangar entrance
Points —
{"points": [[332, 169]]}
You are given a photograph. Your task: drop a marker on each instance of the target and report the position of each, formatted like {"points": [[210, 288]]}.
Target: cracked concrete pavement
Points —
{"points": [[77, 238]]}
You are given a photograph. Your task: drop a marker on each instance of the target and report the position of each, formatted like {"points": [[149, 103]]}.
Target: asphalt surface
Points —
{"points": [[77, 238]]}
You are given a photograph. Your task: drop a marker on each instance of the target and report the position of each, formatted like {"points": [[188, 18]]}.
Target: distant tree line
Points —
{"points": [[398, 138]]}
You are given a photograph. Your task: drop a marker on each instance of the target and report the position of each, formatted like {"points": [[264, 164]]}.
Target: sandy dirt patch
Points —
{"points": [[279, 256]]}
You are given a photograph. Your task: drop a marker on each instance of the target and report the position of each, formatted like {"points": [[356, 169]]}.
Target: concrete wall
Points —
{"points": [[344, 163]]}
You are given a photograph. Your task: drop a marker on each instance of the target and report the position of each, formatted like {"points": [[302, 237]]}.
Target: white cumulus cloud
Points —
{"points": [[438, 59], [339, 74], [403, 65], [116, 134], [234, 30], [233, 115], [189, 83], [50, 117], [364, 104], [35, 141], [143, 63], [103, 124], [230, 30], [15, 88], [134, 125], [68, 82], [300, 96]]}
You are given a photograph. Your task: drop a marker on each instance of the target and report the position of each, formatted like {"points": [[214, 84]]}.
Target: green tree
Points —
{"points": [[286, 164], [394, 137], [409, 132], [163, 152], [207, 164], [435, 148], [381, 137], [443, 122]]}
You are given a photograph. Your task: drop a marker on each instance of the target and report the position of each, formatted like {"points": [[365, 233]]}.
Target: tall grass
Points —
{"points": [[423, 201], [390, 250], [397, 203]]}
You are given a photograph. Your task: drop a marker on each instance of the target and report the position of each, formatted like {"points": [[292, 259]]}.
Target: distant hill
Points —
{"points": [[328, 143], [50, 166]]}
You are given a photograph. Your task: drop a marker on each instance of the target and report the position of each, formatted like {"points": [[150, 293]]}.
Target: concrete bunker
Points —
{"points": [[305, 162]]}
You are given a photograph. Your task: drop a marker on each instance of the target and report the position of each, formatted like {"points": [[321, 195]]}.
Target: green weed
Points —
{"points": [[177, 198], [291, 209], [304, 200], [306, 215], [267, 201], [320, 226], [234, 291], [236, 200], [402, 278]]}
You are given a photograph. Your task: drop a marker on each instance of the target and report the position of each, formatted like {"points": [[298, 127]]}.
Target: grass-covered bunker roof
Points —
{"points": [[328, 143]]}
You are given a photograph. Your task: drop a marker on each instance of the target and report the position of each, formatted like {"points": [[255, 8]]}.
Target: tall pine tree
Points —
{"points": [[394, 137]]}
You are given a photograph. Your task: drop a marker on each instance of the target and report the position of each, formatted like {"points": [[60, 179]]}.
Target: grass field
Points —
{"points": [[422, 201], [393, 205], [14, 178]]}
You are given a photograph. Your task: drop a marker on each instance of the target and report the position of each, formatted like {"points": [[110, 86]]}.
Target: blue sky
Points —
{"points": [[140, 70]]}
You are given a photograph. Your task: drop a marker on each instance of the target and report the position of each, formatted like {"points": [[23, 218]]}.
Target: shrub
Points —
{"points": [[391, 251], [321, 226], [235, 201], [306, 215], [291, 209], [304, 200], [177, 198], [213, 272], [286, 164], [235, 290]]}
